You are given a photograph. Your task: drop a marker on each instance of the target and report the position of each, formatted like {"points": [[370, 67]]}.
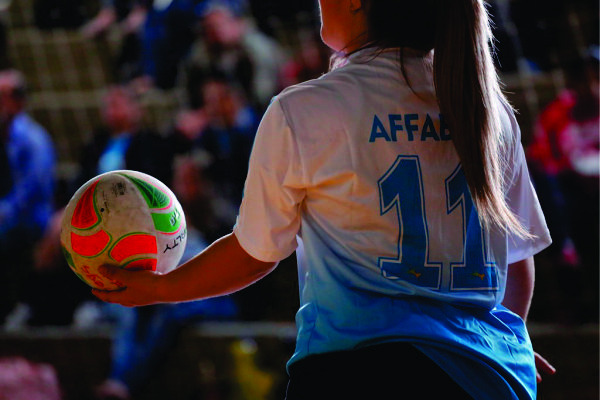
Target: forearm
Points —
{"points": [[223, 268], [519, 287]]}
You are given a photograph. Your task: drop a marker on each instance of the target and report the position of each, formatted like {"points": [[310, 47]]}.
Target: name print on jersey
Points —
{"points": [[410, 127]]}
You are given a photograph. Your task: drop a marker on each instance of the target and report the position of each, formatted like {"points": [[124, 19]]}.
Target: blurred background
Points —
{"points": [[176, 88]]}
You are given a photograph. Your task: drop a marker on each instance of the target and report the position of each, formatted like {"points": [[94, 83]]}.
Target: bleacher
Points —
{"points": [[67, 75]]}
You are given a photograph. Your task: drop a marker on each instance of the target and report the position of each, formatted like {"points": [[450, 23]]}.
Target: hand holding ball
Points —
{"points": [[123, 218]]}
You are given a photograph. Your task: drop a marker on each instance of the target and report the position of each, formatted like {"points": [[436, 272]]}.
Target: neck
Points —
{"points": [[358, 42]]}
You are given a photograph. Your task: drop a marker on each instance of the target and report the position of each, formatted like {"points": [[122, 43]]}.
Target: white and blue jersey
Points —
{"points": [[357, 173]]}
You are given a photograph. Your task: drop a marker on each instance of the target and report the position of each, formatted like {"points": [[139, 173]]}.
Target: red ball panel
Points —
{"points": [[85, 215], [131, 245], [89, 246]]}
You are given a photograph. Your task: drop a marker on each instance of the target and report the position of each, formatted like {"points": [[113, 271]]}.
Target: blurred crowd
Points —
{"points": [[228, 68], [227, 58]]}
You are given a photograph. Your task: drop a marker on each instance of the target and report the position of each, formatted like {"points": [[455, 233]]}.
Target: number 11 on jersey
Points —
{"points": [[401, 189]]}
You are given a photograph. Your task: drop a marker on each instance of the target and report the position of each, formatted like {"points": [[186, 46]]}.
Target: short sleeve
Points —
{"points": [[269, 217], [523, 201]]}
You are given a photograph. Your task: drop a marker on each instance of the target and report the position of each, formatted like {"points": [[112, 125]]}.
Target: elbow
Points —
{"points": [[259, 269]]}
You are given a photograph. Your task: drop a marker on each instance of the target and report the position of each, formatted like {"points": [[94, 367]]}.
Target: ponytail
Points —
{"points": [[467, 89], [470, 98]]}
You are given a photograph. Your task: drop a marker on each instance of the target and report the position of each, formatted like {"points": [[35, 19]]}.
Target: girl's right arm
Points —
{"points": [[222, 268]]}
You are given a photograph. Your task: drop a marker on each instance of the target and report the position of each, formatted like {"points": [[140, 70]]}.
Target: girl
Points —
{"points": [[399, 180]]}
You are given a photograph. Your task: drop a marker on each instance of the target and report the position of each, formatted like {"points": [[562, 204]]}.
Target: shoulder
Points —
{"points": [[507, 114], [23, 122], [325, 99], [512, 152], [511, 132], [330, 85], [26, 129]]}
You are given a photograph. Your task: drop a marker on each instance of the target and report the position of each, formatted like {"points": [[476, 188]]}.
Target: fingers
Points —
{"points": [[135, 288], [114, 296], [116, 275], [544, 366]]}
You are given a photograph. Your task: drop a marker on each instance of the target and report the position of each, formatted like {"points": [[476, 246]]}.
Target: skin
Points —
{"points": [[517, 298], [225, 267], [120, 111], [343, 25], [222, 268]]}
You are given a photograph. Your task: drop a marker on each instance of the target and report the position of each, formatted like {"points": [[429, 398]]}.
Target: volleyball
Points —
{"points": [[124, 218]]}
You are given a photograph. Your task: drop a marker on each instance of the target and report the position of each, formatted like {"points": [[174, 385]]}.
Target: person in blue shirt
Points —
{"points": [[226, 135], [143, 336], [27, 180], [123, 142], [400, 182]]}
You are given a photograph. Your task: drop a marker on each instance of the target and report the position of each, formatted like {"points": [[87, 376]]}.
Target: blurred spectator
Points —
{"points": [[310, 61], [27, 163], [565, 165], [273, 15], [128, 13], [224, 129], [168, 34], [205, 209], [144, 335], [156, 36], [565, 146], [129, 16], [230, 43], [123, 143], [53, 292]]}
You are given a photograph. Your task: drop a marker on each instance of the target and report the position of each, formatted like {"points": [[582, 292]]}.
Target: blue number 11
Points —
{"points": [[401, 189]]}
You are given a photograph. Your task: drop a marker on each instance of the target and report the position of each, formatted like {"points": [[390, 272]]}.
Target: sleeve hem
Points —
{"points": [[255, 252], [530, 251]]}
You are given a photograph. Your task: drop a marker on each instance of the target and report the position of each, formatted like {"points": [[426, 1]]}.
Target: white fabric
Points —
{"points": [[317, 159]]}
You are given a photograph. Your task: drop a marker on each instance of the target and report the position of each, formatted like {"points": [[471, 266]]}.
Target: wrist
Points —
{"points": [[159, 288]]}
